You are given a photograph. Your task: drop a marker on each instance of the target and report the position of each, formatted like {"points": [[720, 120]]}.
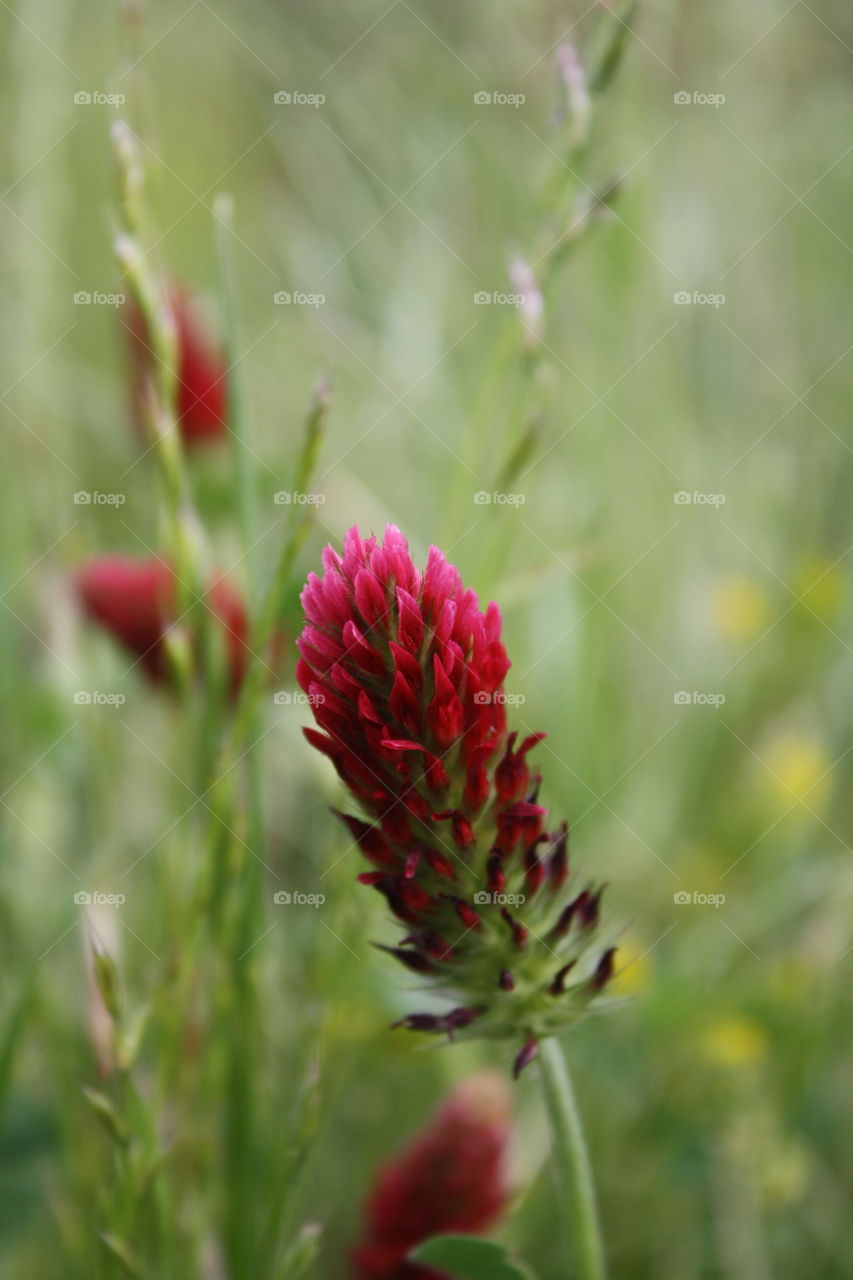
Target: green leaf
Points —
{"points": [[469, 1258]]}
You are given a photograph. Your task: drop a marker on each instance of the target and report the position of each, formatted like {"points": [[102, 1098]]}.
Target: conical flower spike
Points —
{"points": [[405, 676]]}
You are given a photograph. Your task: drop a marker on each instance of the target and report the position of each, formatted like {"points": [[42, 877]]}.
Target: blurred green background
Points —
{"points": [[718, 1100]]}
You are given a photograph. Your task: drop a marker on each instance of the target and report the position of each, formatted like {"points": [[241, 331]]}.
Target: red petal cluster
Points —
{"points": [[401, 670], [404, 673], [201, 398], [451, 1179], [136, 602]]}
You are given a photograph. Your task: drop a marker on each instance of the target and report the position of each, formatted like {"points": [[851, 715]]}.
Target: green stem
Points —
{"points": [[238, 1004], [573, 1164]]}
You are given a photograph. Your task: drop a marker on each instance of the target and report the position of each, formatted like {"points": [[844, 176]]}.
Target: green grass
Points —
{"points": [[718, 1100]]}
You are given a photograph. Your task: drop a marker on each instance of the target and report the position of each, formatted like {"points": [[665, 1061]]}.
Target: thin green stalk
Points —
{"points": [[246, 712], [573, 1164], [237, 416], [564, 213], [239, 1003]]}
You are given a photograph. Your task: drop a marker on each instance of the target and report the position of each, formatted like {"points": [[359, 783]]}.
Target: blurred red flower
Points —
{"points": [[135, 600], [201, 406], [450, 1179]]}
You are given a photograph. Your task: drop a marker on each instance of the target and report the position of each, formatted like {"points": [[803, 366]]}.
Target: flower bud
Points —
{"points": [[136, 601], [449, 1180], [201, 388]]}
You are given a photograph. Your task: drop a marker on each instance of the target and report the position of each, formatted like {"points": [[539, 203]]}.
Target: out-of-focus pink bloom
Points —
{"points": [[135, 600], [450, 1179], [404, 674], [202, 389]]}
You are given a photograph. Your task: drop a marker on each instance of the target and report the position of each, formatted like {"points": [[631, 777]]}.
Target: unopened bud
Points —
{"points": [[107, 1114], [106, 980], [130, 166]]}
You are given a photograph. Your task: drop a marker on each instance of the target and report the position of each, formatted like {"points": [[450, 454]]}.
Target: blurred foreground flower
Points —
{"points": [[136, 601], [405, 677], [450, 1180], [202, 385]]}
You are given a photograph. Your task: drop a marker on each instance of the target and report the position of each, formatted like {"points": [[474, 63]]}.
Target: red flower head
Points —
{"points": [[136, 602], [450, 1179], [405, 674], [202, 383]]}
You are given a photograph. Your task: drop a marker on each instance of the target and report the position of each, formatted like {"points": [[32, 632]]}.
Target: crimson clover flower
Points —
{"points": [[404, 674], [136, 601], [201, 390], [450, 1179]]}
